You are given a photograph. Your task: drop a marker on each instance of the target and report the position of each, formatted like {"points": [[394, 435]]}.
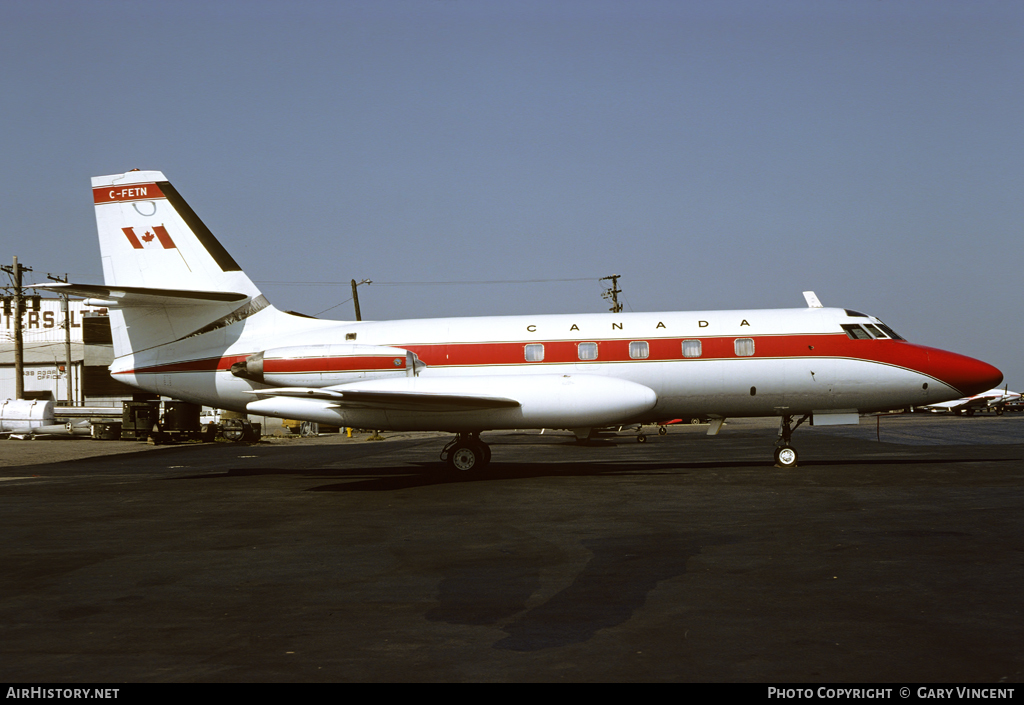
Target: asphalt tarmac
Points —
{"points": [[892, 554]]}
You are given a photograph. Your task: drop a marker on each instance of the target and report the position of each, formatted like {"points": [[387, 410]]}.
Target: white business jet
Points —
{"points": [[188, 323]]}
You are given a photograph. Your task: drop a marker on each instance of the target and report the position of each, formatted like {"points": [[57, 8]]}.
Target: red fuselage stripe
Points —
{"points": [[964, 374], [562, 352]]}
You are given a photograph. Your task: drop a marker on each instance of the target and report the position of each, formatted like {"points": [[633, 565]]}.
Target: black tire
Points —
{"points": [[235, 430]]}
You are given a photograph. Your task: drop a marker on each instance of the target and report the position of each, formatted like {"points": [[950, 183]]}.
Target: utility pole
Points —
{"points": [[67, 337], [355, 296], [19, 307], [613, 293]]}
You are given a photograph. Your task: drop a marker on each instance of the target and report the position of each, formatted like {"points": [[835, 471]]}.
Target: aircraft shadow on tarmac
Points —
{"points": [[391, 478], [383, 468]]}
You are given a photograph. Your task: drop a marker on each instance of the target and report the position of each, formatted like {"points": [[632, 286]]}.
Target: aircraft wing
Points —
{"points": [[480, 401], [393, 400]]}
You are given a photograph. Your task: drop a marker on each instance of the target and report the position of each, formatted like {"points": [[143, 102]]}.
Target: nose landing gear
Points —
{"points": [[785, 454]]}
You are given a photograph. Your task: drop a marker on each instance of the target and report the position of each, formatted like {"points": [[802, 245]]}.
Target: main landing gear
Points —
{"points": [[466, 453], [785, 454]]}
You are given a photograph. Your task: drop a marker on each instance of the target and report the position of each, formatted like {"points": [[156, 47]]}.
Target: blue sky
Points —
{"points": [[716, 155]]}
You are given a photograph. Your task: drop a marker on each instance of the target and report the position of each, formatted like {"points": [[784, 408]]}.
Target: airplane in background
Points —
{"points": [[992, 399], [188, 323]]}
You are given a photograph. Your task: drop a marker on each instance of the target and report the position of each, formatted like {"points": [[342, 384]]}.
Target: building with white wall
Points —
{"points": [[45, 368]]}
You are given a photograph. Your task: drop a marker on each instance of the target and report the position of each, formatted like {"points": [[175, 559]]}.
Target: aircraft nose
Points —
{"points": [[964, 374]]}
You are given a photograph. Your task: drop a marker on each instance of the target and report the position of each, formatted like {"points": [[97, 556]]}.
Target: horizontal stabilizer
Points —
{"points": [[122, 296]]}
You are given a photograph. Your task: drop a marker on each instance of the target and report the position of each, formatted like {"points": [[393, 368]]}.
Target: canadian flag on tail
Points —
{"points": [[154, 237]]}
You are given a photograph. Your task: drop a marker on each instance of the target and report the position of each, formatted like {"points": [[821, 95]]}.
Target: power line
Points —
{"points": [[320, 313], [613, 292], [447, 283]]}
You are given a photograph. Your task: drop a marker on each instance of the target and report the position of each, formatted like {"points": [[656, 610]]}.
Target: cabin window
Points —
{"points": [[588, 351], [639, 350], [744, 347], [534, 352], [691, 348], [856, 332], [350, 336]]}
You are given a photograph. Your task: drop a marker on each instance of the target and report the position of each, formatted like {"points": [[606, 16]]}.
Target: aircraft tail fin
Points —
{"points": [[167, 277], [150, 237]]}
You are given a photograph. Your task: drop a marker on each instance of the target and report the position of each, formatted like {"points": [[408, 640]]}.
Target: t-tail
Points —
{"points": [[166, 276]]}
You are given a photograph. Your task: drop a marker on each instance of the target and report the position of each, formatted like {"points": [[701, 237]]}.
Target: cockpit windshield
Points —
{"points": [[856, 332], [868, 331], [890, 332]]}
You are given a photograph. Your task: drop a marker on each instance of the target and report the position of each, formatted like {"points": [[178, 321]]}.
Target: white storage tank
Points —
{"points": [[17, 414]]}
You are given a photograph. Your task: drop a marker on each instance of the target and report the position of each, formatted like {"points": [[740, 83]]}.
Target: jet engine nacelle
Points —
{"points": [[324, 365]]}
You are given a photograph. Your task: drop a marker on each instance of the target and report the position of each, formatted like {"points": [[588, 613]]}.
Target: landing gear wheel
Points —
{"points": [[641, 438], [466, 454], [785, 457], [465, 457], [662, 430]]}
